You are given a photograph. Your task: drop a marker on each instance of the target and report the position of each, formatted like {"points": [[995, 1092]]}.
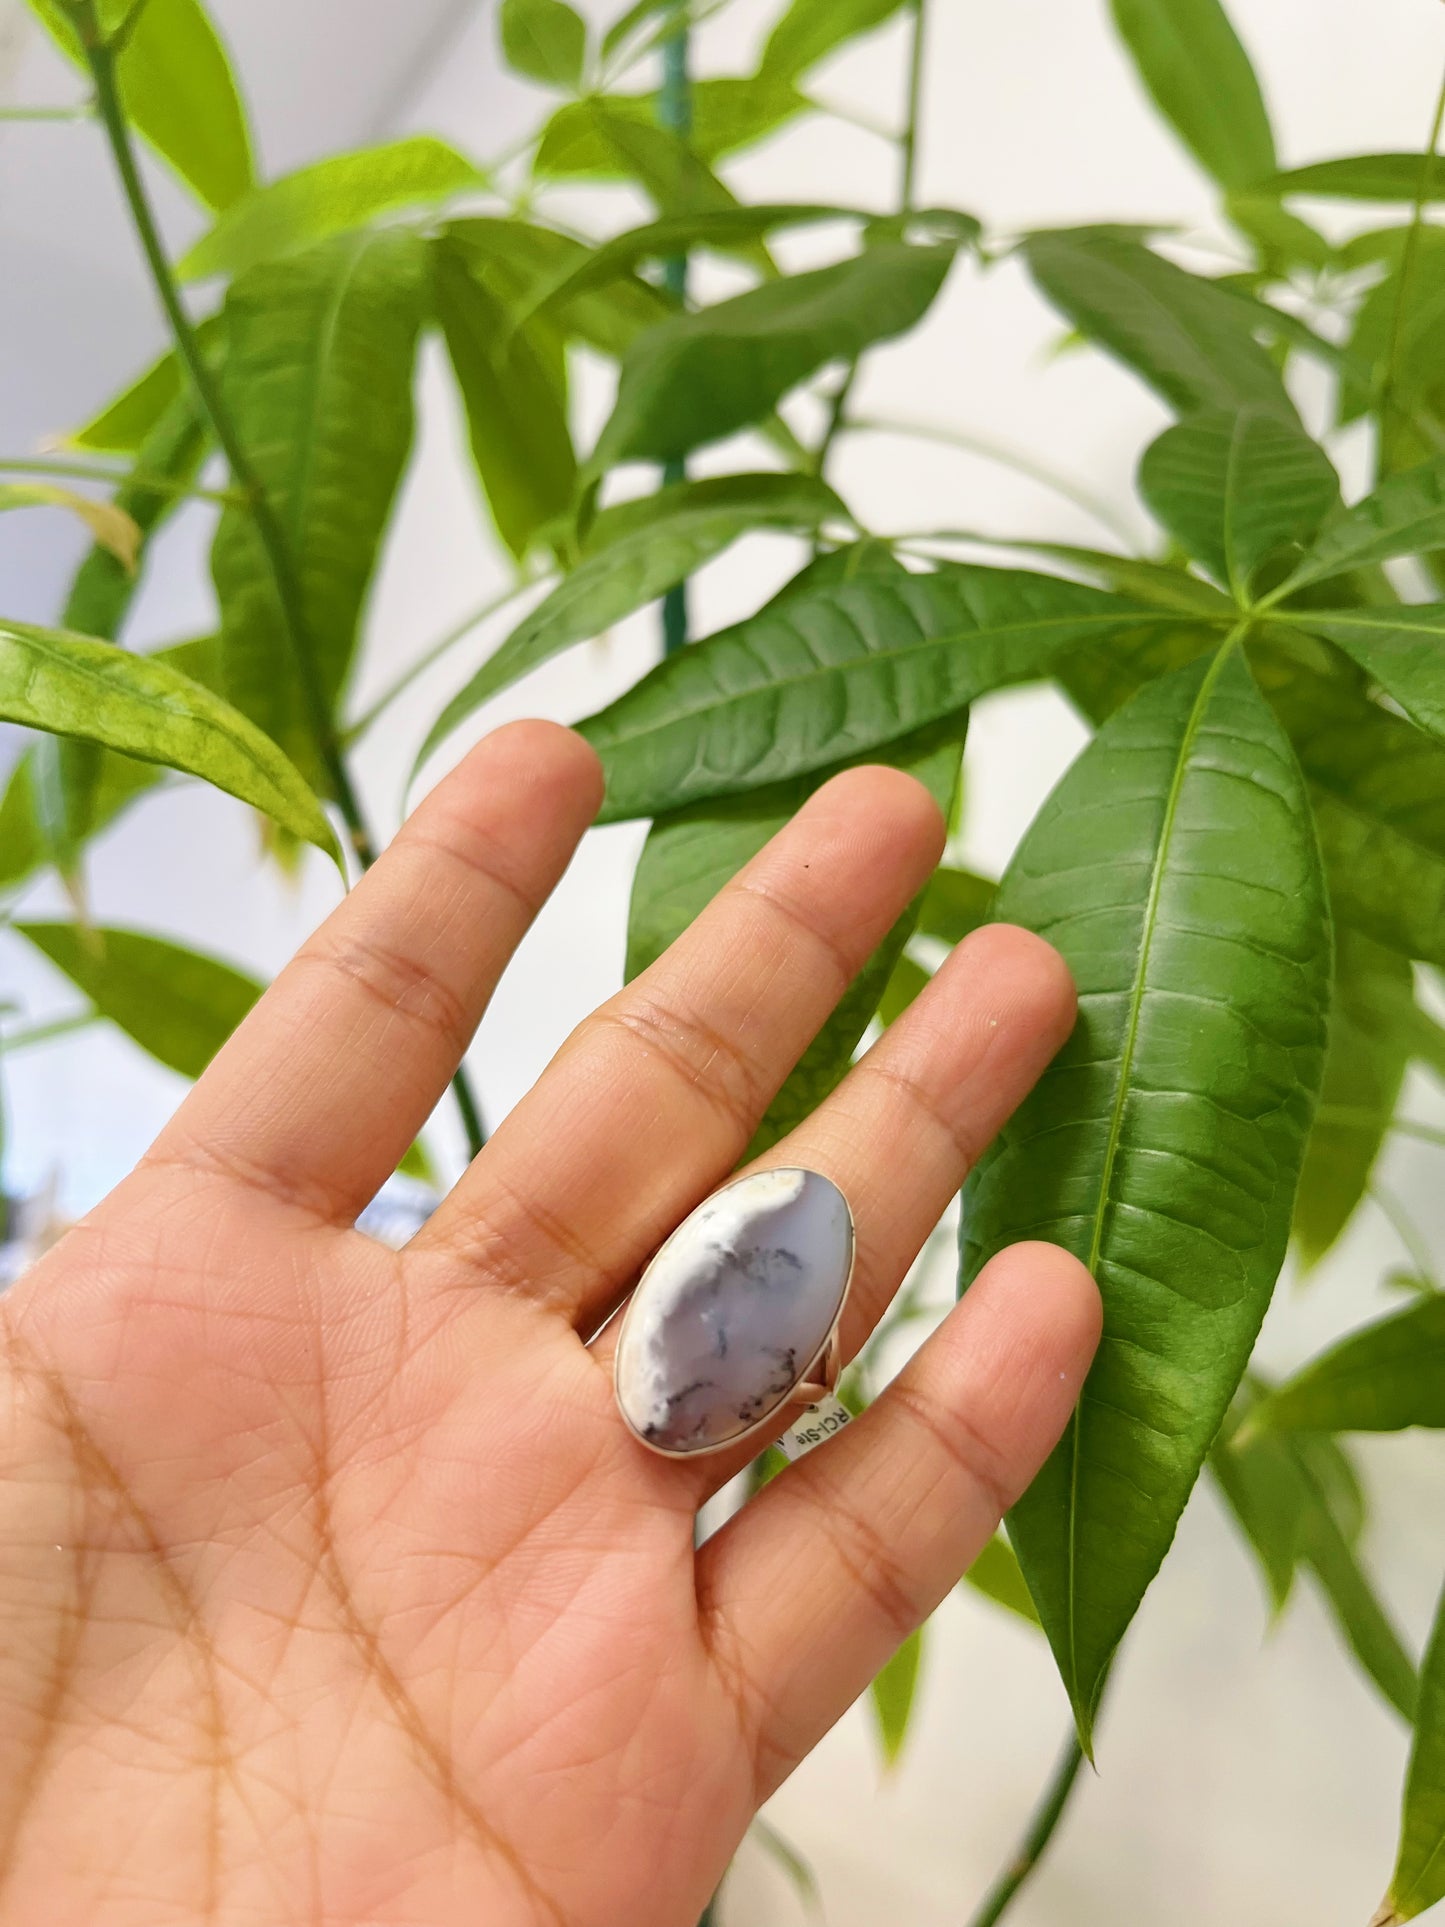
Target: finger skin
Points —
{"points": [[321, 1090], [651, 1101], [901, 1131], [805, 1593]]}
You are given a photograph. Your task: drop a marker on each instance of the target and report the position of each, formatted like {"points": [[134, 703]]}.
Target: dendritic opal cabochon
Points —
{"points": [[734, 1310]]}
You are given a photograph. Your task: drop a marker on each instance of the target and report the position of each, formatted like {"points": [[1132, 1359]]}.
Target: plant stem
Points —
{"points": [[674, 112], [85, 111], [69, 468], [1406, 1230], [43, 1033], [1402, 292], [1046, 1818], [908, 146], [99, 56]]}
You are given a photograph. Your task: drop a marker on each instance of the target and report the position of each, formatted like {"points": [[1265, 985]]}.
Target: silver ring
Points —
{"points": [[736, 1318]]}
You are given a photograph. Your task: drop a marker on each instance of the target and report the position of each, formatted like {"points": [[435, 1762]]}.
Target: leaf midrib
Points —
{"points": [[951, 639], [1121, 1095]]}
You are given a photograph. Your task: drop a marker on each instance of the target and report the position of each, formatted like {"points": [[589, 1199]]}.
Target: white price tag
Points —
{"points": [[814, 1424]]}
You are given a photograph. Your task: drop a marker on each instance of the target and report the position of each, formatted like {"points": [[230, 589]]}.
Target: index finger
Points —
{"points": [[320, 1091]]}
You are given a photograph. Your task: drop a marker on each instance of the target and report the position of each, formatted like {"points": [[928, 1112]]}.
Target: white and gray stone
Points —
{"points": [[734, 1310]]}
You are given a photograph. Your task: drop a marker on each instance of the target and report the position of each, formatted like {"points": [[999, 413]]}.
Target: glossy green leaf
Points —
{"points": [[1378, 793], [1361, 177], [518, 263], [1200, 78], [317, 376], [176, 87], [690, 854], [177, 1004], [826, 674], [1382, 1378], [1399, 327], [1297, 1501], [515, 400], [1369, 1047], [1235, 489], [955, 903], [1401, 649], [1419, 1877], [810, 30], [1175, 868], [545, 40], [893, 1694], [995, 1573], [1189, 340], [631, 559], [701, 376], [728, 113], [330, 197], [75, 686], [1404, 516]]}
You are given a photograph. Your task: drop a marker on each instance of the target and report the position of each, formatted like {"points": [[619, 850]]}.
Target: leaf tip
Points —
{"points": [[1385, 1915]]}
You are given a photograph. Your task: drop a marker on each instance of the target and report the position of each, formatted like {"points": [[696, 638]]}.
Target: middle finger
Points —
{"points": [[652, 1100]]}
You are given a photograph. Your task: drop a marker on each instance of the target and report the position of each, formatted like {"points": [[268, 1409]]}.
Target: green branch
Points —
{"points": [[674, 112], [100, 58], [1031, 1848], [70, 469]]}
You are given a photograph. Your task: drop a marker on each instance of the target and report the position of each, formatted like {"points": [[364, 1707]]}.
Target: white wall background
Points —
{"points": [[1242, 1778]]}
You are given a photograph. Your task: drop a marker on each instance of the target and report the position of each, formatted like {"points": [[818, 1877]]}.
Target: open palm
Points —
{"points": [[332, 1586]]}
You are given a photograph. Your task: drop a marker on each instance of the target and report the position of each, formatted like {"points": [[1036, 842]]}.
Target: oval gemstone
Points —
{"points": [[734, 1310]]}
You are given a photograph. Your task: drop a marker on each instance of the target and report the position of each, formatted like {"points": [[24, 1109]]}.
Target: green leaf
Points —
{"points": [[1399, 327], [1199, 77], [701, 376], [1281, 239], [1175, 869], [724, 229], [633, 555], [1296, 1509], [995, 1573], [1382, 1378], [177, 1004], [76, 686], [824, 674], [317, 375], [1404, 516], [176, 87], [1419, 1877], [1369, 1047], [955, 903], [1401, 649], [518, 263], [331, 197], [1165, 585], [1360, 177], [68, 774], [123, 426], [1235, 489], [892, 1694], [1378, 792], [812, 29], [545, 40], [591, 137], [1189, 340], [513, 391], [907, 981], [25, 840], [689, 856]]}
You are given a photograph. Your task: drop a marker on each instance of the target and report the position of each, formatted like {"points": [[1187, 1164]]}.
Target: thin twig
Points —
{"points": [[85, 111], [674, 112], [81, 471], [433, 653], [1041, 1830]]}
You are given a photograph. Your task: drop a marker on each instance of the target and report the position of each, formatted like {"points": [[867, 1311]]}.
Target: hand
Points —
{"points": [[332, 1586]]}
